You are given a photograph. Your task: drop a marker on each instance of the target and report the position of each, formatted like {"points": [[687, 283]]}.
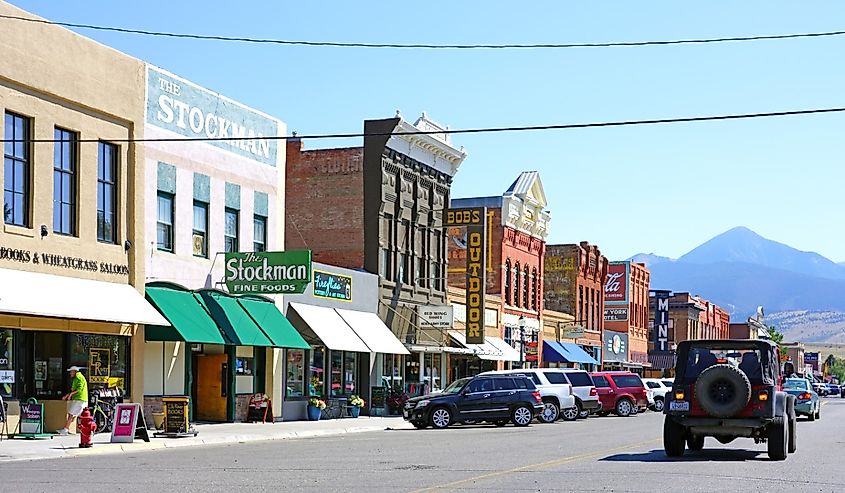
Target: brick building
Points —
{"points": [[517, 229], [626, 310], [573, 282]]}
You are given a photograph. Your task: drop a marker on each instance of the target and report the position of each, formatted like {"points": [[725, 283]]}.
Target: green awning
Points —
{"points": [[237, 326], [274, 324], [189, 319]]}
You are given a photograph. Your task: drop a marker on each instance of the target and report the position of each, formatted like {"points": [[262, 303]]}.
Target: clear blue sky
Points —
{"points": [[662, 189]]}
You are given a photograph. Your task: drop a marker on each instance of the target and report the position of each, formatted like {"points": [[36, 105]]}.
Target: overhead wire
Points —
{"points": [[427, 46]]}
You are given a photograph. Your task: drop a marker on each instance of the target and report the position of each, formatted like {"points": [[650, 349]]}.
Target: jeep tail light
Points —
{"points": [[679, 395], [537, 397], [593, 391], [763, 395], [806, 396]]}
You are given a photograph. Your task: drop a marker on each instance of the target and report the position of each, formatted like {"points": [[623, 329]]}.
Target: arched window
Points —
{"points": [[526, 302], [534, 283], [516, 291], [508, 285]]}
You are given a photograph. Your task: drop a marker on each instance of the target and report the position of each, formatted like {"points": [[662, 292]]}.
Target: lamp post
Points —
{"points": [[521, 341]]}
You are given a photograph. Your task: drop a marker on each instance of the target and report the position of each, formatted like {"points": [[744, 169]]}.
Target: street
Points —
{"points": [[599, 454]]}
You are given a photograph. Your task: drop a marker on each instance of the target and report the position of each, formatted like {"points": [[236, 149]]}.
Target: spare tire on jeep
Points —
{"points": [[722, 390]]}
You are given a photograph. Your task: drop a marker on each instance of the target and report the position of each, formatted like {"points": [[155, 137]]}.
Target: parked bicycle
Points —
{"points": [[103, 406]]}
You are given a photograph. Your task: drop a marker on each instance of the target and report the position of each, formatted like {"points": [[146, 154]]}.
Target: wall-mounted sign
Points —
{"points": [[440, 317], [180, 106], [268, 272], [99, 365], [475, 220], [332, 286], [616, 287], [62, 261], [573, 332], [661, 320], [616, 314], [615, 346]]}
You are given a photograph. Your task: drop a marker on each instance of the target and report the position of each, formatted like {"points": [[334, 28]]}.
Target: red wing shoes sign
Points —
{"points": [[268, 272]]}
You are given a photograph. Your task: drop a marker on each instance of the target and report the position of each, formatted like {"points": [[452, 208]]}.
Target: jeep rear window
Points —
{"points": [[748, 360], [579, 379], [627, 380], [555, 377]]}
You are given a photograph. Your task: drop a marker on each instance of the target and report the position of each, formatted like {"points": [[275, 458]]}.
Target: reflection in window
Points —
{"points": [[316, 384], [295, 366], [350, 368], [230, 233], [337, 373], [200, 232], [164, 225], [103, 357], [49, 365], [107, 193], [17, 170], [64, 182]]}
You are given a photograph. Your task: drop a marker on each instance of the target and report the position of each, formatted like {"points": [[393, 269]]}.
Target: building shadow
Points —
{"points": [[706, 455]]}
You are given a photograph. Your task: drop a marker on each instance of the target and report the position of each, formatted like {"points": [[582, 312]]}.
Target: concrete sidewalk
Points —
{"points": [[209, 434]]}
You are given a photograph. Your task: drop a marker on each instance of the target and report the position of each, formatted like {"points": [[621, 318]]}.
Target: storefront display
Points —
{"points": [[295, 365], [7, 363]]}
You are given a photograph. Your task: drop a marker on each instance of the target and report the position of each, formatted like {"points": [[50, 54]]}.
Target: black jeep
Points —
{"points": [[728, 389]]}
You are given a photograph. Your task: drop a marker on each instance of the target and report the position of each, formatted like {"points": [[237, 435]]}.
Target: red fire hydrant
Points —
{"points": [[86, 427]]}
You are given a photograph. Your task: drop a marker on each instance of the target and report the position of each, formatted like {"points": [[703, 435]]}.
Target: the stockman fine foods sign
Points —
{"points": [[180, 106], [268, 272]]}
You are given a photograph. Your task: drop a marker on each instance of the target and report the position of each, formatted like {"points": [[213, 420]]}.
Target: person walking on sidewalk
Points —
{"points": [[77, 398]]}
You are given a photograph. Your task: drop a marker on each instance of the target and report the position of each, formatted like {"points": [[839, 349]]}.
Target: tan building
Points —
{"points": [[71, 254]]}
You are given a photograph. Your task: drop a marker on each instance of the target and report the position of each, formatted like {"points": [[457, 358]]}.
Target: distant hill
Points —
{"points": [[811, 327], [650, 259]]}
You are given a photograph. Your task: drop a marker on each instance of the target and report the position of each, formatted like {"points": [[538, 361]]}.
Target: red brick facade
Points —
{"points": [[636, 326], [574, 280]]}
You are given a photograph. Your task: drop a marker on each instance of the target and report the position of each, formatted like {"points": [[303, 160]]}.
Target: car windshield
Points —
{"points": [[456, 386], [795, 384]]}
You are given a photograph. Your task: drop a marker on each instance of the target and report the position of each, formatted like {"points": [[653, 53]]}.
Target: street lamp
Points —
{"points": [[521, 341]]}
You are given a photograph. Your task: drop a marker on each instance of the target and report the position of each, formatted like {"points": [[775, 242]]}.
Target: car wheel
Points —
{"points": [[673, 437], [522, 416], [500, 422], [658, 405], [419, 425], [819, 411], [790, 414], [695, 442], [550, 412], [572, 413], [582, 413], [811, 416], [441, 418], [778, 438], [624, 407]]}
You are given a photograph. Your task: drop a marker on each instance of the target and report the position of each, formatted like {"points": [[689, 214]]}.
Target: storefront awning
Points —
{"points": [[324, 326], [48, 295], [565, 352], [189, 320], [237, 326], [373, 332], [508, 352], [273, 323], [486, 351], [662, 361], [420, 348]]}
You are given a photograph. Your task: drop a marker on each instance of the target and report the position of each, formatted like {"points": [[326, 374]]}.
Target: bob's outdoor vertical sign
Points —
{"points": [[475, 220], [268, 272]]}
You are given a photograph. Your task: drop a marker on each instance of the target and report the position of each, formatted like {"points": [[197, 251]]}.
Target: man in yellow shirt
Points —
{"points": [[77, 398]]}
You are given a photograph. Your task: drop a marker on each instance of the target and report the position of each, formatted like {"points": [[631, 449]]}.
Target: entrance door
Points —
{"points": [[211, 380]]}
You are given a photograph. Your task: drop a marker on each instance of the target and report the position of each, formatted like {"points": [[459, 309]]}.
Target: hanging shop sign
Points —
{"points": [[615, 346], [616, 314], [475, 220], [268, 272], [661, 321], [61, 261], [332, 286], [531, 353], [438, 317]]}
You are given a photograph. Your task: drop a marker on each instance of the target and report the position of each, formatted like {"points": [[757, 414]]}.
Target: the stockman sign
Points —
{"points": [[268, 272], [475, 220], [187, 109]]}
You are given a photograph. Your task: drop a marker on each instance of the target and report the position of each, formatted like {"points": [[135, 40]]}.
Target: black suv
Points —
{"points": [[728, 389], [494, 398]]}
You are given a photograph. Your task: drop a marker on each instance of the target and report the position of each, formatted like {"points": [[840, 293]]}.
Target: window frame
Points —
{"points": [[69, 138], [256, 220], [102, 185], [171, 236], [25, 162], [226, 236], [195, 231]]}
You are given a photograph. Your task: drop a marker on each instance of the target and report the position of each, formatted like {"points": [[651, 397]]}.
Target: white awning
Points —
{"points": [[417, 348], [318, 324], [486, 351], [48, 295], [373, 332], [508, 352]]}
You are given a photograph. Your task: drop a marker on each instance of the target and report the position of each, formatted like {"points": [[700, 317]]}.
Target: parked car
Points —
{"points": [[554, 389], [620, 392], [820, 388], [834, 389], [583, 388], [658, 388], [807, 401], [494, 398]]}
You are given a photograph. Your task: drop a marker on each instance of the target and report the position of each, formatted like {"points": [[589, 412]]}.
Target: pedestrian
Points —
{"points": [[77, 398]]}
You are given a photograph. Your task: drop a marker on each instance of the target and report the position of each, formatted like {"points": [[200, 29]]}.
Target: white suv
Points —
{"points": [[558, 400], [586, 396], [657, 387]]}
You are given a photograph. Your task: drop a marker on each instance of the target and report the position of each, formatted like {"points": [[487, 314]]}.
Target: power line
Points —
{"points": [[567, 126], [339, 44]]}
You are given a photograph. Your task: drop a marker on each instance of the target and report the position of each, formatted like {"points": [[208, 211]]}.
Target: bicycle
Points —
{"points": [[103, 407]]}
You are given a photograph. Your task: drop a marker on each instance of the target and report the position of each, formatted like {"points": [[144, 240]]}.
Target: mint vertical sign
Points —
{"points": [[268, 272]]}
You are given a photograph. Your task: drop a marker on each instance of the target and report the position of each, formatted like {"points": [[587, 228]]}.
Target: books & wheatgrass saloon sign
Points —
{"points": [[268, 272]]}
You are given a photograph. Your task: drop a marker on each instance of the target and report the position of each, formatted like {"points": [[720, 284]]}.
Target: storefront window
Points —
{"points": [[295, 384], [337, 373], [350, 368], [7, 363], [431, 371], [391, 370], [49, 365], [104, 357], [316, 383]]}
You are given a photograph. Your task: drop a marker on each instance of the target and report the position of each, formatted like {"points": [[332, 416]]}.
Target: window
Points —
{"points": [[516, 290], [230, 233], [295, 368], [200, 232], [164, 226], [627, 381], [600, 382], [64, 182], [49, 365], [653, 385], [7, 363], [480, 385], [316, 382], [259, 234], [534, 282], [105, 359], [555, 377], [107, 193], [579, 379], [504, 383], [350, 369], [16, 179], [526, 302], [336, 373], [400, 274], [508, 281]]}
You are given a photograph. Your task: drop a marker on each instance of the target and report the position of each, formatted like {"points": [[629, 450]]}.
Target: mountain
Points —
{"points": [[743, 245], [649, 259], [809, 326]]}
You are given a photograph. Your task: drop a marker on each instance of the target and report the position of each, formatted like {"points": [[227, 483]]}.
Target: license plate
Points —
{"points": [[678, 406]]}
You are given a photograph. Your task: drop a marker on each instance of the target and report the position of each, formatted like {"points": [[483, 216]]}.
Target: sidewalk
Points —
{"points": [[209, 434]]}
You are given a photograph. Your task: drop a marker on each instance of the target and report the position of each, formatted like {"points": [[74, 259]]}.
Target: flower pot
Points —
{"points": [[313, 413], [354, 411]]}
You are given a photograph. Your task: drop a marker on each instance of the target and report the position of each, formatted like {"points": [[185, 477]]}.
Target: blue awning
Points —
{"points": [[565, 352]]}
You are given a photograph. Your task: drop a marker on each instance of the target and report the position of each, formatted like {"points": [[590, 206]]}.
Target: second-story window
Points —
{"points": [[17, 172], [199, 238], [508, 282], [526, 302], [107, 193], [534, 283], [64, 182], [259, 234], [164, 224], [230, 233], [517, 285]]}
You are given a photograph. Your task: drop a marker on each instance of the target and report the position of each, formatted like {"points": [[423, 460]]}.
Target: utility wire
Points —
{"points": [[339, 44], [623, 123]]}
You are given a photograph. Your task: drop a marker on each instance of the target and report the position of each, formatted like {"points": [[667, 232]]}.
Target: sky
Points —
{"points": [[656, 188]]}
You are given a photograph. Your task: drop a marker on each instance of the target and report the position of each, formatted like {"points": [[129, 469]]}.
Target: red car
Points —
{"points": [[620, 392]]}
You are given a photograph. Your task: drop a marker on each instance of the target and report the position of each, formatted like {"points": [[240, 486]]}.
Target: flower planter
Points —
{"points": [[313, 413], [354, 411]]}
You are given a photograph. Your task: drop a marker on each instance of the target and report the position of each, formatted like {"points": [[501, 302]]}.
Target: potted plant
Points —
{"points": [[357, 403], [315, 408]]}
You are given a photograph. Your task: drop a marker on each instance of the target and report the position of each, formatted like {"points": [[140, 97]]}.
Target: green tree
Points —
{"points": [[838, 369], [777, 338]]}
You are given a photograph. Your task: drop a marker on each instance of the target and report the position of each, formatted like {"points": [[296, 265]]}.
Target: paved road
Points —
{"points": [[599, 454]]}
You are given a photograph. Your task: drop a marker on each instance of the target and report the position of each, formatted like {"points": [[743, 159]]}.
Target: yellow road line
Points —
{"points": [[539, 465]]}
